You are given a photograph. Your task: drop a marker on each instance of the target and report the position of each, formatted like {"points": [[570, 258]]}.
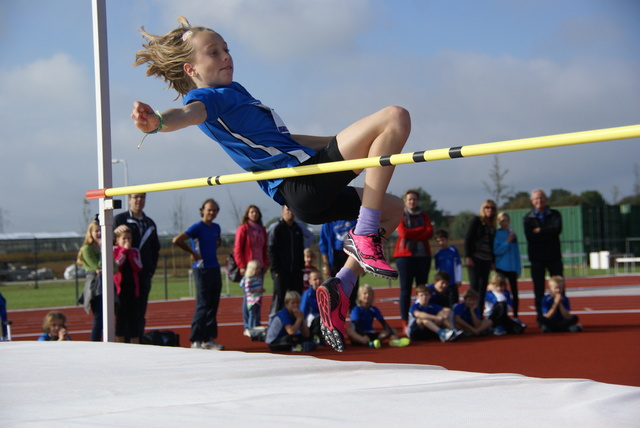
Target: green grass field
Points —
{"points": [[60, 293]]}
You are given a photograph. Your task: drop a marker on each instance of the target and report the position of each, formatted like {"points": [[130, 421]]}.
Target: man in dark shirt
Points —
{"points": [[286, 253], [543, 226]]}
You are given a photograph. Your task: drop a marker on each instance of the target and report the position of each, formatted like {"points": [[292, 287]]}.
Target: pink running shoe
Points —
{"points": [[333, 305], [367, 250]]}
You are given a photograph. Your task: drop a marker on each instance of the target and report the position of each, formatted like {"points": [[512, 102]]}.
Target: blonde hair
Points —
{"points": [[252, 268], [502, 215], [50, 317], [558, 280], [291, 295], [166, 55], [362, 289], [88, 240], [498, 278], [493, 219]]}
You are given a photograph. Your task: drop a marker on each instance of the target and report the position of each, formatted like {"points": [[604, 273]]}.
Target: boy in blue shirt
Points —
{"points": [[447, 259], [556, 315], [440, 289], [427, 319], [287, 330], [467, 316]]}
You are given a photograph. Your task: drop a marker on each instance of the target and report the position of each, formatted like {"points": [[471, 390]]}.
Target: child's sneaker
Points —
{"points": [[520, 322], [196, 345], [575, 328], [213, 345], [399, 343], [445, 335], [499, 331], [367, 250], [296, 348], [333, 305], [456, 334], [375, 344]]}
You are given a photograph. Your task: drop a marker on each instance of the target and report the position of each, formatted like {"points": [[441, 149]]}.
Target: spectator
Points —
{"points": [[204, 237], [542, 227], [127, 283], [286, 245], [250, 244], [145, 238], [252, 286], [427, 320], [54, 327], [467, 316], [447, 259], [309, 266], [90, 257], [507, 257], [478, 248], [556, 310], [287, 329], [361, 331], [496, 307], [440, 289], [309, 305], [412, 252]]}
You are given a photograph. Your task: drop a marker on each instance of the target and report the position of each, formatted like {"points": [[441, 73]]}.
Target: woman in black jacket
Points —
{"points": [[478, 247]]}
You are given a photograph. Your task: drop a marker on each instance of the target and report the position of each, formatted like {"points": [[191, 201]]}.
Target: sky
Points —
{"points": [[469, 72]]}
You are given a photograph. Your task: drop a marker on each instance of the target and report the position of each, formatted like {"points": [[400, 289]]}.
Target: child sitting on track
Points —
{"points": [[556, 315], [361, 331], [467, 316], [428, 319], [287, 329], [195, 61]]}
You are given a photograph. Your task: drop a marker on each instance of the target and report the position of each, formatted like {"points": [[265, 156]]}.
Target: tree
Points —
{"points": [[178, 213], [555, 198], [593, 198], [520, 200], [460, 224], [497, 188]]}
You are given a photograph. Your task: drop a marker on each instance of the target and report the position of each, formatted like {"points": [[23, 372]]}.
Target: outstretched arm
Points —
{"points": [[146, 120]]}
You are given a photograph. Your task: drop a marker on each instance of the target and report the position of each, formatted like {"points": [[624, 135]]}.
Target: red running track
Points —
{"points": [[607, 351]]}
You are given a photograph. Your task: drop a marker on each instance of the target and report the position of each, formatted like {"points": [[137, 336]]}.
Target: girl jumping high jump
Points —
{"points": [[195, 61]]}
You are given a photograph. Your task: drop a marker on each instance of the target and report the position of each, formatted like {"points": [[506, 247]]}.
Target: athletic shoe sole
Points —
{"points": [[329, 302]]}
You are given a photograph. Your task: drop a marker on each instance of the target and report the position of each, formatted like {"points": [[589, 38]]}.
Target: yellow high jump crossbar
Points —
{"points": [[558, 140]]}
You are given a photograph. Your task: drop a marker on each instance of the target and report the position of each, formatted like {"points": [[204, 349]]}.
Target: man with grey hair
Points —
{"points": [[542, 227]]}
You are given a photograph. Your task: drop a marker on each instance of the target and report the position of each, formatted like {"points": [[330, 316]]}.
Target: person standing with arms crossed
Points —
{"points": [[542, 227], [144, 234], [205, 240]]}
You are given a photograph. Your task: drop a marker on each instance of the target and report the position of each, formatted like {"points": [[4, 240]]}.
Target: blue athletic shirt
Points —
{"points": [[251, 133], [363, 318], [461, 310], [204, 241]]}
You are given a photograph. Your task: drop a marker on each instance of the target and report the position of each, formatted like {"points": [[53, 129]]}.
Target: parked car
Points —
{"points": [[42, 273], [73, 271]]}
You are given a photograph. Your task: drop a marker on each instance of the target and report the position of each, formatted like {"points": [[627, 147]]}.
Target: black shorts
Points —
{"points": [[321, 198]]}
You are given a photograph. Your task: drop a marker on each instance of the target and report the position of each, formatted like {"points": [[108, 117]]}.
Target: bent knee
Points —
{"points": [[398, 117]]}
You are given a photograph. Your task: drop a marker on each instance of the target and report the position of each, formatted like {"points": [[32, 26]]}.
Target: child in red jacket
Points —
{"points": [[127, 285]]}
